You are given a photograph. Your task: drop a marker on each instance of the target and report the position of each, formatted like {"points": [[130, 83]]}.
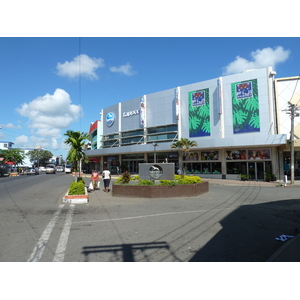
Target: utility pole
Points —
{"points": [[293, 110]]}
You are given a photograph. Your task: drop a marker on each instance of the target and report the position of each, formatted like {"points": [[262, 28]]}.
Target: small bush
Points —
{"points": [[80, 179], [177, 177], [77, 188], [190, 180], [168, 182], [145, 182]]}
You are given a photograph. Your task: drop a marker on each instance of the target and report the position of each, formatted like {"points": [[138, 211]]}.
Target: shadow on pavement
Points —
{"points": [[127, 250], [249, 233]]}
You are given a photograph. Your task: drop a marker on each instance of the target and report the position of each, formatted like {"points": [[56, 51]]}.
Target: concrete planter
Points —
{"points": [[77, 199], [160, 191], [78, 174], [14, 174]]}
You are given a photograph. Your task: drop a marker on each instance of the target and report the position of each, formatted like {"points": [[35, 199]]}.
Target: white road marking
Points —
{"points": [[157, 215], [40, 246], [63, 240]]}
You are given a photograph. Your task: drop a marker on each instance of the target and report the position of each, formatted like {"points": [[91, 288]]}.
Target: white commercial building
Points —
{"points": [[237, 122]]}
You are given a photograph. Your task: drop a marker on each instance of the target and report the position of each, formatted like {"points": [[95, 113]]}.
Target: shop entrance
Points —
{"points": [[256, 170]]}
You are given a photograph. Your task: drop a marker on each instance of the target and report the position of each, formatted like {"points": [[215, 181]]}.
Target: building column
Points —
{"points": [[222, 154]]}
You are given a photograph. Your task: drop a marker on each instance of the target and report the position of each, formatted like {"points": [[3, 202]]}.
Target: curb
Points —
{"points": [[76, 199]]}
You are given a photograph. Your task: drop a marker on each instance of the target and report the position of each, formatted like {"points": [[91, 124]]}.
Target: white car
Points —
{"points": [[50, 169], [59, 168], [42, 169]]}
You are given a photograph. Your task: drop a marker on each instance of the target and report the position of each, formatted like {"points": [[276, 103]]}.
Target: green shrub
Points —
{"points": [[168, 182], [190, 180], [77, 188], [145, 182], [80, 179]]}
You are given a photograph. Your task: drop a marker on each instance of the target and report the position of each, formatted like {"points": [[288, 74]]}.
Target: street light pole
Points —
{"points": [[155, 145]]}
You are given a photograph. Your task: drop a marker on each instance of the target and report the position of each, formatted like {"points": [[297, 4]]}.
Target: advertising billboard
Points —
{"points": [[199, 113], [245, 106]]}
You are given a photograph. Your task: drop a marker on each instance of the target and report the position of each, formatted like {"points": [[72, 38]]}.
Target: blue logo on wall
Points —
{"points": [[110, 119]]}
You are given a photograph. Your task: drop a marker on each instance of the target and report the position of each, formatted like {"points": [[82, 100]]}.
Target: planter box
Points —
{"points": [[77, 173], [77, 199], [14, 174], [160, 191]]}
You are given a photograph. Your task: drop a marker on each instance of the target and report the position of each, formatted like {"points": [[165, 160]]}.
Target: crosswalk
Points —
{"points": [[63, 240]]}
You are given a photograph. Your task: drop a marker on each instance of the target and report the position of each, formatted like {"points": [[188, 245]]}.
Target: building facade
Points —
{"points": [[235, 120], [6, 145]]}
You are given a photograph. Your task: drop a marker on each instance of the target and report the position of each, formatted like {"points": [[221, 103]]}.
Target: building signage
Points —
{"points": [[131, 113], [243, 90], [155, 171], [110, 119]]}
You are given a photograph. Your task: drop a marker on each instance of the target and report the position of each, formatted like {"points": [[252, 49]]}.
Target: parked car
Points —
{"points": [[50, 169], [42, 169], [33, 171]]}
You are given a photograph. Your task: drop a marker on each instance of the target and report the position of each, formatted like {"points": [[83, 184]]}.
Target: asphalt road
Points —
{"points": [[229, 223]]}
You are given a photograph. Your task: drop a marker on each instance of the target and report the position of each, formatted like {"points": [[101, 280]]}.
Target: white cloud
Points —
{"points": [[48, 132], [10, 125], [266, 57], [125, 69], [48, 115], [81, 65], [21, 141], [50, 112]]}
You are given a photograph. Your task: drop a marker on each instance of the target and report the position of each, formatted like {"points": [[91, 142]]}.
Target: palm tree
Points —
{"points": [[76, 153], [183, 145]]}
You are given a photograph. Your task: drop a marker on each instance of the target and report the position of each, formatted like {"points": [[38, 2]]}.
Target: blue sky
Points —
{"points": [[42, 94]]}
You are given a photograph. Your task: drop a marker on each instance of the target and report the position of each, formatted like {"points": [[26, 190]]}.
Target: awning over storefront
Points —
{"points": [[94, 159]]}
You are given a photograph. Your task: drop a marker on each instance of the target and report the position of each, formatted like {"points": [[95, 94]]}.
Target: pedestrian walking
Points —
{"points": [[106, 179], [95, 179]]}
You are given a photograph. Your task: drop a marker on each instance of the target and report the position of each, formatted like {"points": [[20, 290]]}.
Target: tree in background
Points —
{"points": [[40, 157], [76, 141], [183, 145], [15, 156]]}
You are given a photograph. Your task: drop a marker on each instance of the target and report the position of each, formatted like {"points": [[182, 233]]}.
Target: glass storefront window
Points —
{"points": [[158, 137], [236, 168], [210, 155], [162, 129], [191, 156], [133, 133], [236, 154], [203, 168]]}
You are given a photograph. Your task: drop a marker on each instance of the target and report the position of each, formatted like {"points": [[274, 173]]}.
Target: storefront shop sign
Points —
{"points": [[131, 113]]}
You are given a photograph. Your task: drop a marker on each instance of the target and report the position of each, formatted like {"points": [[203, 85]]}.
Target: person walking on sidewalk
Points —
{"points": [[95, 179], [106, 179]]}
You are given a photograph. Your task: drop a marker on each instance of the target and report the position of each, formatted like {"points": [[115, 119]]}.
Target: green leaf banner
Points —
{"points": [[199, 113], [245, 106]]}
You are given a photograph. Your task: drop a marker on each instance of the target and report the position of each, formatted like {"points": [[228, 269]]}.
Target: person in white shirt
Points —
{"points": [[106, 179]]}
